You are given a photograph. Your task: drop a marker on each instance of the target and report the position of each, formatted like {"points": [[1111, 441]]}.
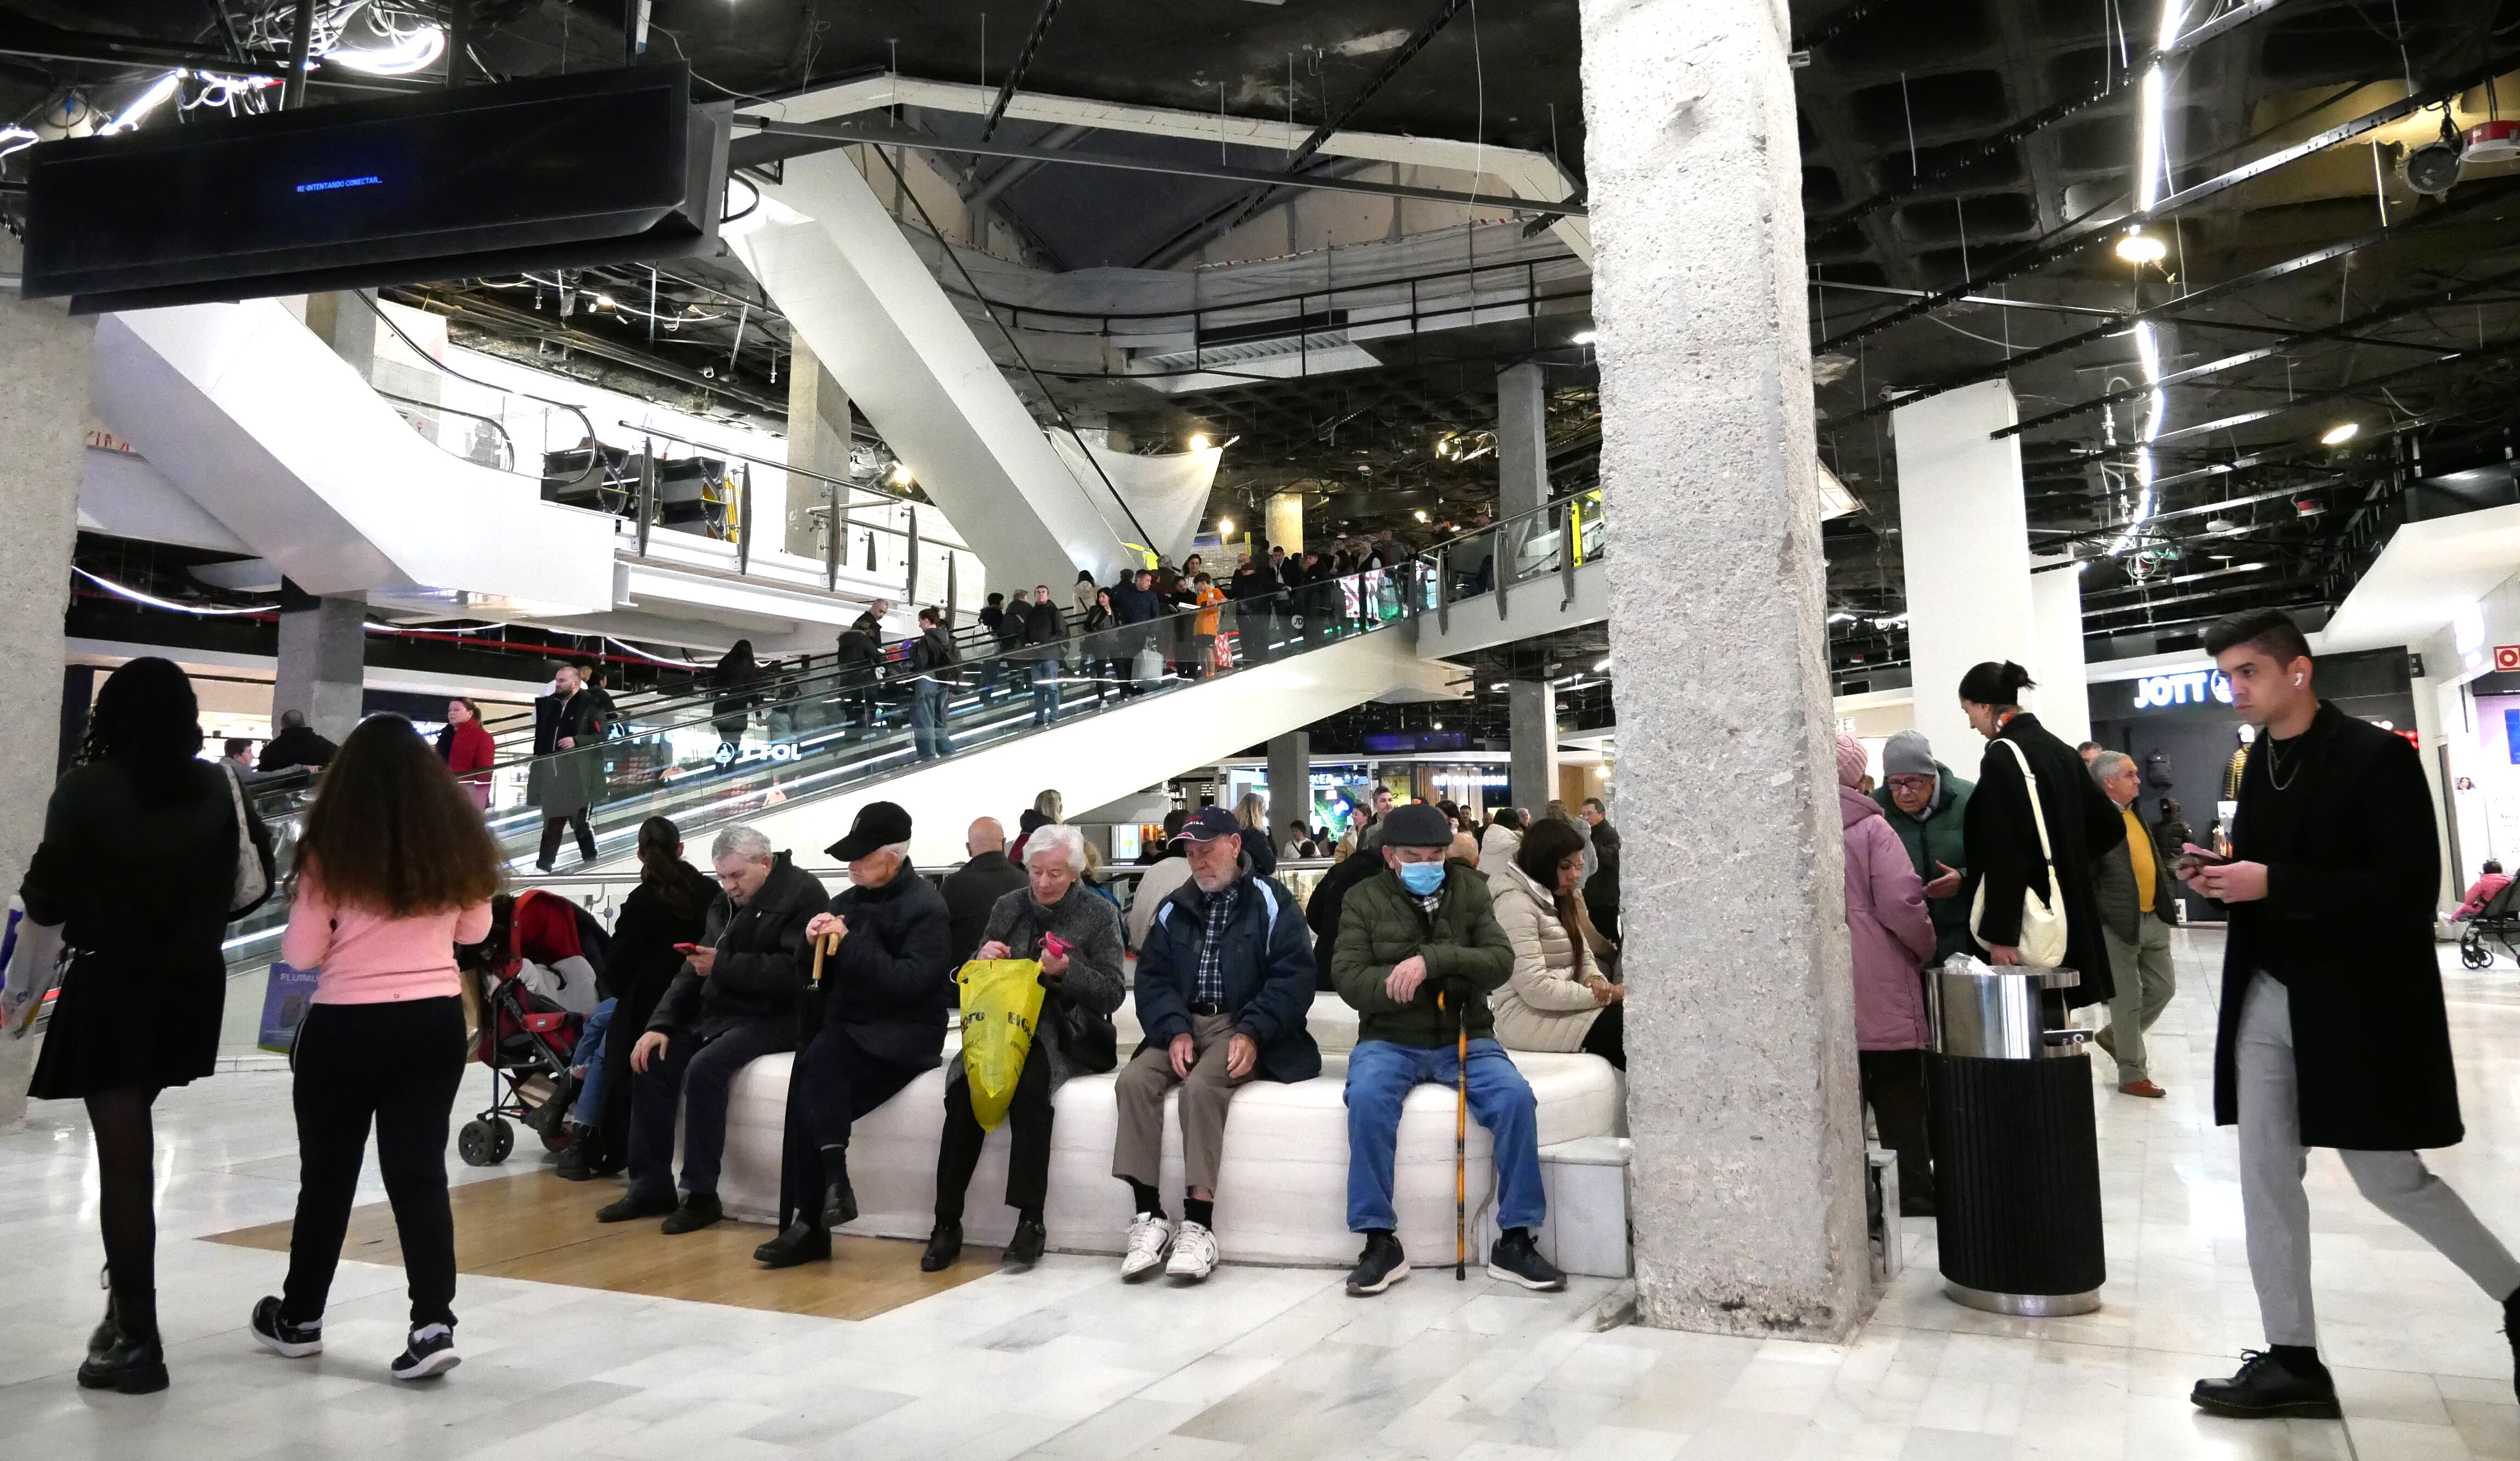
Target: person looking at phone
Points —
{"points": [[733, 1003], [2332, 1029], [1928, 807]]}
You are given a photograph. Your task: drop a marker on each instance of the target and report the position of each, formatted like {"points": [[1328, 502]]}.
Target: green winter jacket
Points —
{"points": [[1381, 924], [1936, 837]]}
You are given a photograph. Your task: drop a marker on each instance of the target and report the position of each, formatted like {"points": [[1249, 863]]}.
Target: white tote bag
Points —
{"points": [[2042, 923]]}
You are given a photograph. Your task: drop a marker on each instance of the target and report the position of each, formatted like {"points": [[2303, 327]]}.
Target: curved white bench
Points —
{"points": [[1281, 1199]]}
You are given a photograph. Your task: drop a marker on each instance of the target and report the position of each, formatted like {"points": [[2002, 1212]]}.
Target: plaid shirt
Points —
{"points": [[1209, 987]]}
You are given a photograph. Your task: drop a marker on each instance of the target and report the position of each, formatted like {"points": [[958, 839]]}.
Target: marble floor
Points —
{"points": [[1271, 1362]]}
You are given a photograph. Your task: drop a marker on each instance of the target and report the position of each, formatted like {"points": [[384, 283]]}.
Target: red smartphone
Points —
{"points": [[1054, 944], [687, 948]]}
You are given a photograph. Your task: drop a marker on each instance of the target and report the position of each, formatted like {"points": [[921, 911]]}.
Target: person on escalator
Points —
{"points": [[738, 683], [295, 745], [1044, 628], [932, 661], [468, 749], [556, 781]]}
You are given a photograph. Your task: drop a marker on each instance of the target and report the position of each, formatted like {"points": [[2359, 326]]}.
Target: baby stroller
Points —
{"points": [[2498, 923], [527, 1040]]}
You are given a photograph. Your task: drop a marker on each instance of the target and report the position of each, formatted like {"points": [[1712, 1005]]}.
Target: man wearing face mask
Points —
{"points": [[876, 1023], [1419, 948]]}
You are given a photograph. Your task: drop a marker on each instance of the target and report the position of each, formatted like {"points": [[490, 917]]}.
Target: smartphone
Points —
{"points": [[1054, 944], [2190, 862], [687, 948]]}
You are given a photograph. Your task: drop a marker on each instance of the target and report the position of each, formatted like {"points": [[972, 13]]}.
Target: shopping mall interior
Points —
{"points": [[953, 475]]}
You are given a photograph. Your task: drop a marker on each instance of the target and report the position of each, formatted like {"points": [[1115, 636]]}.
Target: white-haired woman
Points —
{"points": [[1076, 937]]}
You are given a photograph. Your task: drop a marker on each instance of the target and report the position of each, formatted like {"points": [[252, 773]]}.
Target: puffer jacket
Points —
{"points": [[763, 964], [1382, 923], [1887, 927], [1095, 977], [1497, 847], [1544, 1004], [1934, 841]]}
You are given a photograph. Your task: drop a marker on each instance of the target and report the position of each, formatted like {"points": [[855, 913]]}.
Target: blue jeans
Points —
{"points": [[927, 720], [1380, 1075], [589, 1054], [1044, 691]]}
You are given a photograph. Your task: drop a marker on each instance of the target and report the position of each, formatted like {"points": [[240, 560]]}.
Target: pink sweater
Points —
{"points": [[365, 957]]}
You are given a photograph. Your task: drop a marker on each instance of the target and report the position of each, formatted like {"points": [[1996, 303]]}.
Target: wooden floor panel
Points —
{"points": [[536, 1226]]}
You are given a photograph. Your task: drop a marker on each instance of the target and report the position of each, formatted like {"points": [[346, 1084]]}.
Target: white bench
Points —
{"points": [[1283, 1195]]}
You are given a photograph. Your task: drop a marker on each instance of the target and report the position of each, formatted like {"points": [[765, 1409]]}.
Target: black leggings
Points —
{"points": [[125, 1205], [398, 1063], [1608, 1037], [958, 1150]]}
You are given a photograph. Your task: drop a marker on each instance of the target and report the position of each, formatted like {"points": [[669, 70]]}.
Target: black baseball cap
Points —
{"points": [[1209, 823], [878, 824]]}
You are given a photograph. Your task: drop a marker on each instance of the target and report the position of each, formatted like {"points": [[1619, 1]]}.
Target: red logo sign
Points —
{"points": [[2506, 657]]}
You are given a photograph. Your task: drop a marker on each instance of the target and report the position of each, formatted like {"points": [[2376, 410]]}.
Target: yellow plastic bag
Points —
{"points": [[1001, 1009]]}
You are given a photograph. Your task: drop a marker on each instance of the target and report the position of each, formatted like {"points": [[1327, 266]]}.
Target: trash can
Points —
{"points": [[2016, 1155]]}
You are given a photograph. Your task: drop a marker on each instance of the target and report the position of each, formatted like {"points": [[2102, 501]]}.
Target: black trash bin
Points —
{"points": [[2016, 1155]]}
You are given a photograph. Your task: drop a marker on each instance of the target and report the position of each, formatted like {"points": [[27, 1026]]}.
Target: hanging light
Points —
{"points": [[2141, 247], [1225, 527], [2340, 433], [149, 100], [415, 50], [1198, 441]]}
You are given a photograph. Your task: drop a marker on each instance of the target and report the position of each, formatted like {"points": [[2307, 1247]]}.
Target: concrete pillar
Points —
{"points": [[1531, 724], [2064, 699], [346, 322], [323, 664], [43, 439], [1965, 539], [1522, 440], [1284, 526], [818, 440], [1748, 1175], [1291, 782]]}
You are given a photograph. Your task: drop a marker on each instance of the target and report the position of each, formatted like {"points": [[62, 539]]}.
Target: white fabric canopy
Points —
{"points": [[1168, 494]]}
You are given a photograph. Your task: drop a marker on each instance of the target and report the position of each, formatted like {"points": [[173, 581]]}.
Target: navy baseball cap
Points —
{"points": [[1209, 823]]}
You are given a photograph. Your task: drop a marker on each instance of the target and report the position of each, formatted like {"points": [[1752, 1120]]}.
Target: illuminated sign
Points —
{"points": [[2196, 687], [327, 186]]}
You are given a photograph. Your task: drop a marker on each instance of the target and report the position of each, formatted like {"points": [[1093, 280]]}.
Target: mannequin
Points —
{"points": [[2239, 763]]}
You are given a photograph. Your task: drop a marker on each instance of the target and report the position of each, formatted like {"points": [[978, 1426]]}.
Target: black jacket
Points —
{"points": [[1265, 965], [932, 656], [1602, 889], [640, 967], [762, 958], [1321, 909], [1046, 624], [891, 982], [296, 745], [2113, 883], [2004, 855], [142, 884], [2347, 924], [970, 892]]}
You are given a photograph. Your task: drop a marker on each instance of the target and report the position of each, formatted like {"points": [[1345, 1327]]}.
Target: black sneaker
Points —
{"points": [[1516, 1258], [1380, 1266], [801, 1243], [135, 1367], [944, 1246], [576, 1163], [699, 1210], [2265, 1388], [840, 1203], [429, 1353], [1023, 1250], [2511, 1331], [281, 1338], [635, 1204]]}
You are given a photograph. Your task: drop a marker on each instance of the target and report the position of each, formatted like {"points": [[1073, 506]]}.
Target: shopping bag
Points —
{"points": [[284, 1005], [1001, 1009], [30, 962], [1150, 665]]}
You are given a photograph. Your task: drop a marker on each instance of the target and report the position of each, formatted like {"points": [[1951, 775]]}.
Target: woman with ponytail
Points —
{"points": [[663, 911], [2005, 859]]}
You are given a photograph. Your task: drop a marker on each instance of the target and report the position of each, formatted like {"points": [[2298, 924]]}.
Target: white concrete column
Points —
{"points": [[1965, 539], [1284, 526], [347, 323], [1531, 724], [2064, 699], [818, 440], [44, 361], [1522, 439], [1748, 1175], [323, 665], [1291, 782]]}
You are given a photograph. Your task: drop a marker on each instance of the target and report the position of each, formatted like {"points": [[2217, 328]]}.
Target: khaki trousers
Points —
{"points": [[1138, 1155]]}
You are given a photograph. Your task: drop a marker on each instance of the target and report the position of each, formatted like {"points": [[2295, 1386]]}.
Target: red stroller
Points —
{"points": [[527, 1040]]}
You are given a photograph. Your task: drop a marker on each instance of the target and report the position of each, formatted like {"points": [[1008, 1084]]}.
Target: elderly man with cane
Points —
{"points": [[1418, 952]]}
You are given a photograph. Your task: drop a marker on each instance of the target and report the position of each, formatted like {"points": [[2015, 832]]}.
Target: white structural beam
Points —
{"points": [[1524, 173], [835, 264], [2064, 697], [1964, 535]]}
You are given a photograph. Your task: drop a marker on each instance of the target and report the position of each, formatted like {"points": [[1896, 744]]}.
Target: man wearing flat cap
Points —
{"points": [[876, 1023], [1418, 952]]}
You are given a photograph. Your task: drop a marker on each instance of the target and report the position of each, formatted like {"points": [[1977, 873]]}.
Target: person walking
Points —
{"points": [[1890, 936], [738, 683], [1602, 884], [2008, 857], [932, 662], [1045, 629], [2333, 1030], [1928, 807], [468, 750], [669, 907], [2137, 910], [556, 782], [1557, 997], [136, 880], [1075, 936], [395, 867]]}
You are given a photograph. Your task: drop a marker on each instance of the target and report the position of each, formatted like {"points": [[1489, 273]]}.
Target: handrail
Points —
{"points": [[595, 459], [507, 443]]}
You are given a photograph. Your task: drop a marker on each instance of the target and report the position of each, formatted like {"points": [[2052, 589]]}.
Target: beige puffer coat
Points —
{"points": [[1544, 1004]]}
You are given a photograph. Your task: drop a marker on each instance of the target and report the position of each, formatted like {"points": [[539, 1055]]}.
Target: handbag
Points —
{"points": [[2042, 923], [252, 864], [1088, 1039], [32, 966]]}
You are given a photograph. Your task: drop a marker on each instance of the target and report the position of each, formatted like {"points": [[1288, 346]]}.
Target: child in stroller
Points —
{"points": [[534, 981]]}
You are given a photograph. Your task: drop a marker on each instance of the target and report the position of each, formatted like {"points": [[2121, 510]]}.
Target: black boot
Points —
{"points": [[2271, 1386], [839, 1199], [2511, 1331], [576, 1164], [801, 1243], [99, 1339], [1024, 1249], [135, 1367], [944, 1246]]}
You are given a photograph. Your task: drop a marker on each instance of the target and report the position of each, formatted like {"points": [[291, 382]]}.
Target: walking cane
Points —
{"points": [[1460, 1144]]}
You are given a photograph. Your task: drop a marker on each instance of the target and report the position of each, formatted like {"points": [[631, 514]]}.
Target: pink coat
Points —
{"points": [[1889, 928]]}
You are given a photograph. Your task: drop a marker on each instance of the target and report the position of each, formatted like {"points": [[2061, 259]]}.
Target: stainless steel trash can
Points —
{"points": [[2016, 1153]]}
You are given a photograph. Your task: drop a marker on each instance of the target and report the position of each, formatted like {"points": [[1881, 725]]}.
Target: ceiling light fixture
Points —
{"points": [[2340, 433], [2141, 247], [1225, 527], [1421, 514], [1583, 337], [149, 100], [1198, 441], [901, 476], [1602, 663], [413, 50]]}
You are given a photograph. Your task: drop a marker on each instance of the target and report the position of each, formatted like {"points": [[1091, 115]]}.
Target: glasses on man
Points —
{"points": [[1911, 783]]}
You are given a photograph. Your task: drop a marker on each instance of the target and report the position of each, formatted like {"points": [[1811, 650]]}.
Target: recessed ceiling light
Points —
{"points": [[2141, 247], [1583, 337], [2340, 433]]}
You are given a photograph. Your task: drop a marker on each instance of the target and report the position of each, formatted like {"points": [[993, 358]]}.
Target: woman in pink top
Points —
{"points": [[394, 868]]}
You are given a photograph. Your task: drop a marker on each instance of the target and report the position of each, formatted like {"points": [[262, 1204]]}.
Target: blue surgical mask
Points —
{"points": [[1421, 878]]}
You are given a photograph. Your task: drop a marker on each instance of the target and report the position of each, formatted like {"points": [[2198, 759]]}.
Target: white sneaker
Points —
{"points": [[1193, 1253], [1149, 1238]]}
